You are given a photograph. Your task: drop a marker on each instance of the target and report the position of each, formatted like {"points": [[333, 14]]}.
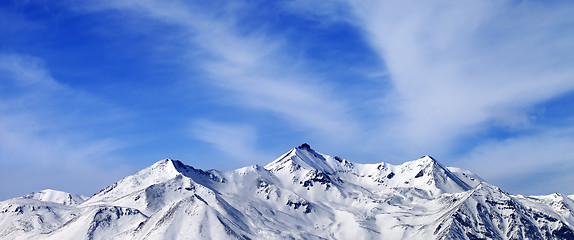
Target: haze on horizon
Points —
{"points": [[93, 91]]}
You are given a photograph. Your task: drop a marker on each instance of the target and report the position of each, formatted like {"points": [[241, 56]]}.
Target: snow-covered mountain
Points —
{"points": [[301, 195]]}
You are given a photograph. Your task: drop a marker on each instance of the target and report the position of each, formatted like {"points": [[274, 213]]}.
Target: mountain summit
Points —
{"points": [[303, 157], [303, 194]]}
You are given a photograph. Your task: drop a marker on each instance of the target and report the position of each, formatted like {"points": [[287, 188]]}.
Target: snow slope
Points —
{"points": [[27, 218], [303, 194], [49, 195]]}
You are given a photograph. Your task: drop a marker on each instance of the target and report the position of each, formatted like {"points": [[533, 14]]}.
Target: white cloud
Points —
{"points": [[237, 141], [252, 69], [257, 74], [26, 72], [40, 146], [456, 66], [532, 159]]}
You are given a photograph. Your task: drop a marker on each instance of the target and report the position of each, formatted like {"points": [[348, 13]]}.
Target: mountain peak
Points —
{"points": [[428, 170], [427, 160], [168, 165], [49, 195], [300, 157], [165, 162], [304, 146]]}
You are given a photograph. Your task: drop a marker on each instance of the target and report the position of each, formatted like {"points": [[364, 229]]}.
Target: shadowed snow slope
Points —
{"points": [[301, 195]]}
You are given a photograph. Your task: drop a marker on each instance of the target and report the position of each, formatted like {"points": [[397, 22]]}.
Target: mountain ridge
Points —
{"points": [[303, 194]]}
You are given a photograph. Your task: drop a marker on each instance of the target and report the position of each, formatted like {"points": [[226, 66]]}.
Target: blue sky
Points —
{"points": [[91, 91]]}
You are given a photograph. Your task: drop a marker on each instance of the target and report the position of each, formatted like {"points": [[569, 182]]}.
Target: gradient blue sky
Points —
{"points": [[91, 91]]}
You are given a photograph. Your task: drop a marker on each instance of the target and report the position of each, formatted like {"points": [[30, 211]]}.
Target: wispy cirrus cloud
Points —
{"points": [[251, 69], [41, 145], [458, 66], [527, 159], [238, 141]]}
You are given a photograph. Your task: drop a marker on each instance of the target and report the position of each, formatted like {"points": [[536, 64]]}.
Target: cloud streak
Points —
{"points": [[40, 146], [251, 69], [236, 141], [526, 159], [457, 67]]}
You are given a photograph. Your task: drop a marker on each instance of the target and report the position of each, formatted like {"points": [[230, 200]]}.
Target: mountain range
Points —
{"points": [[303, 194]]}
